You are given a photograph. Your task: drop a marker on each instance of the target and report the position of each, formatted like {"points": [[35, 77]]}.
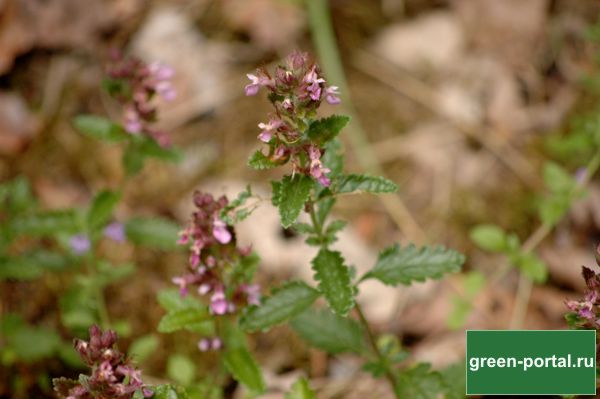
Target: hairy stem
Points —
{"points": [[98, 294], [318, 226]]}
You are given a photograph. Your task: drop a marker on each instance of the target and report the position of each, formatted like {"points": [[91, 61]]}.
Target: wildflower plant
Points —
{"points": [[224, 303], [68, 245]]}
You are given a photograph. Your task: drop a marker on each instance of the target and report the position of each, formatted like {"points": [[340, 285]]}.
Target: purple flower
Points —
{"points": [[115, 231], [80, 244]]}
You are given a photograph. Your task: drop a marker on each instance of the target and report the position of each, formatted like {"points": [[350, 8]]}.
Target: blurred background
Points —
{"points": [[459, 102]]}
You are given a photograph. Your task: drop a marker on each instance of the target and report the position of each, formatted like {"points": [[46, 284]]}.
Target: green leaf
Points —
{"points": [[329, 332], [260, 161], [47, 223], [532, 266], [334, 280], [293, 194], [419, 383], [489, 237], [557, 179], [102, 208], [553, 208], [276, 192], [34, 343], [454, 381], [300, 390], [333, 158], [168, 392], [285, 303], [133, 160], [143, 347], [242, 366], [16, 194], [197, 320], [398, 265], [230, 215], [32, 265], [149, 148], [181, 369], [363, 183], [171, 301], [326, 129], [100, 128], [153, 232]]}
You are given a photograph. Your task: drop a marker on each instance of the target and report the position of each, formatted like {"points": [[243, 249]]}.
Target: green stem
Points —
{"points": [[373, 343], [98, 294], [318, 226], [525, 284]]}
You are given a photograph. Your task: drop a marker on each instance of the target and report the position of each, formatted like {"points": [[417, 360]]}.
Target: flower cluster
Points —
{"points": [[217, 267], [112, 374], [296, 91], [135, 84], [587, 310]]}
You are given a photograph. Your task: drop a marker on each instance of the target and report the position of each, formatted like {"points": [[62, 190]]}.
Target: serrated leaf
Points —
{"points": [[143, 347], [275, 192], [293, 194], [260, 161], [102, 208], [334, 280], [100, 128], [153, 232], [46, 223], [326, 129], [189, 319], [397, 265], [181, 369], [300, 390], [489, 237], [329, 332], [364, 183], [285, 303], [242, 366], [333, 158], [419, 383], [454, 381]]}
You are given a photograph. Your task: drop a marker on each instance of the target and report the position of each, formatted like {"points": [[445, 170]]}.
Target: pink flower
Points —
{"points": [[316, 168], [218, 303], [268, 129], [204, 344], [332, 95], [255, 83], [115, 231], [220, 231]]}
